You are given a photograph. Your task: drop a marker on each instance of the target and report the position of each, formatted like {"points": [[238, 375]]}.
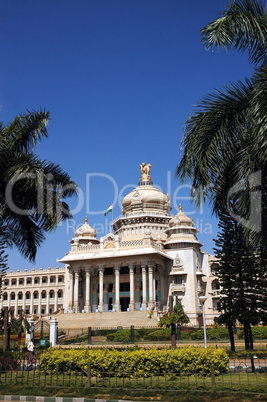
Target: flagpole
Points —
{"points": [[112, 217]]}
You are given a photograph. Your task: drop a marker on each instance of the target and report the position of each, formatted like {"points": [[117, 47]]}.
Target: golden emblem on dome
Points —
{"points": [[145, 172]]}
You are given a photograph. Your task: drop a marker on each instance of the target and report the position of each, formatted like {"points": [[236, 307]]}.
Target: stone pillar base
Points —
{"points": [[131, 307], [100, 308], [144, 306], [76, 308], [87, 309], [117, 307]]}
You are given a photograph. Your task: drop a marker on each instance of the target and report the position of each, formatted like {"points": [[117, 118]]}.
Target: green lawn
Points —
{"points": [[242, 382]]}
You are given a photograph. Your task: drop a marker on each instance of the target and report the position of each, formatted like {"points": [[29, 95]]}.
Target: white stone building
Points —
{"points": [[149, 256]]}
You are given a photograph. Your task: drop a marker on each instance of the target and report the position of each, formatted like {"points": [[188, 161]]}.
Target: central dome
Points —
{"points": [[146, 197]]}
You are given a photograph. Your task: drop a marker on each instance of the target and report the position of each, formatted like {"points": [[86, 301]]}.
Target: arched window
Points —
{"points": [[43, 294], [28, 295], [35, 295], [5, 296], [60, 293], [12, 296]]}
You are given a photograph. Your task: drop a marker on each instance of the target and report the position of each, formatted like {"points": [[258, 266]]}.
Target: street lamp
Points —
{"points": [[202, 300]]}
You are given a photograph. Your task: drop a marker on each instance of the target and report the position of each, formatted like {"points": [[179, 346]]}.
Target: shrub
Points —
{"points": [[257, 333], [7, 361], [198, 335], [123, 336], [140, 361], [163, 334]]}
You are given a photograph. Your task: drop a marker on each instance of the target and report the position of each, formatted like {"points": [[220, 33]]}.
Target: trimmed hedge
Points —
{"points": [[123, 336], [142, 362], [257, 333]]}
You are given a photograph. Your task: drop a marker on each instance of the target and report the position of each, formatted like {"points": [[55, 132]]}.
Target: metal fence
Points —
{"points": [[242, 376]]}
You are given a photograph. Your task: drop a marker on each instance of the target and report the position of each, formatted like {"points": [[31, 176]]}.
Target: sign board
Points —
{"points": [[42, 342]]}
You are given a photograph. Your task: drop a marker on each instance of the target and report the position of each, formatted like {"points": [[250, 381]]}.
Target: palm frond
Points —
{"points": [[242, 26]]}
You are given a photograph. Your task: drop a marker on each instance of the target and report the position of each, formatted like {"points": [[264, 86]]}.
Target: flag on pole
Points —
{"points": [[110, 209]]}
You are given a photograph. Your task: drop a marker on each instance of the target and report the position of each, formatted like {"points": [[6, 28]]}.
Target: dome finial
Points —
{"points": [[145, 172], [85, 220], [180, 207]]}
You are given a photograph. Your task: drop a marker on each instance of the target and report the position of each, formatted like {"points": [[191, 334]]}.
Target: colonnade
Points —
{"points": [[21, 300], [147, 270]]}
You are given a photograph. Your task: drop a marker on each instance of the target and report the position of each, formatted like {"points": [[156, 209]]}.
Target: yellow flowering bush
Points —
{"points": [[187, 360]]}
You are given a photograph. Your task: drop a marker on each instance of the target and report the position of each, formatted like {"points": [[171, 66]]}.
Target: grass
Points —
{"points": [[135, 395], [245, 382]]}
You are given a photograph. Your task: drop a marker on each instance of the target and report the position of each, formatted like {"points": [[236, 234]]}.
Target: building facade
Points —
{"points": [[148, 256]]}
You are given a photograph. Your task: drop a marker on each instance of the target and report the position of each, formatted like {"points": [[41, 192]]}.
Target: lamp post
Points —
{"points": [[202, 300]]}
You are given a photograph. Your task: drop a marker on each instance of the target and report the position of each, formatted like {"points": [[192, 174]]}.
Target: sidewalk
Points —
{"points": [[54, 399]]}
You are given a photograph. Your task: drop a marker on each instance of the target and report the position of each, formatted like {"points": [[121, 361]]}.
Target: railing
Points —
{"points": [[178, 287], [121, 245], [130, 215], [242, 376], [215, 292]]}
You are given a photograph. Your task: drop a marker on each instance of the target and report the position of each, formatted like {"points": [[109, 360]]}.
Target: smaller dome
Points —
{"points": [[181, 219], [85, 231]]}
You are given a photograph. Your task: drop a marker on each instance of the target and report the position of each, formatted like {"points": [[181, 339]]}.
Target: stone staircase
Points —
{"points": [[106, 320]]}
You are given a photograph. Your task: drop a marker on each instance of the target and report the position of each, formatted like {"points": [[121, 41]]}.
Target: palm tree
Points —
{"points": [[32, 190], [224, 144]]}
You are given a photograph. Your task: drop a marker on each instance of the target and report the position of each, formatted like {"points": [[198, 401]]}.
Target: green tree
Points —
{"points": [[225, 138], [32, 190], [3, 259], [176, 315], [243, 289]]}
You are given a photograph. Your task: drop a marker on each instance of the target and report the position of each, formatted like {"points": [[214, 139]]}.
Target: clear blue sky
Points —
{"points": [[120, 78]]}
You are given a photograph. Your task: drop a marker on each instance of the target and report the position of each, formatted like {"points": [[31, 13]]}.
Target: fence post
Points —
{"points": [[252, 364], [89, 376], [213, 378], [89, 336], [42, 329], [53, 332]]}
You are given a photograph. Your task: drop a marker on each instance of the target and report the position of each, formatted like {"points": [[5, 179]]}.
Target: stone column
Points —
{"points": [[144, 302], [117, 288], [162, 291], [76, 290], [131, 270], [24, 301], [31, 304], [40, 302], [53, 331], [71, 291], [101, 283], [55, 300], [87, 307], [16, 303], [150, 285], [47, 302]]}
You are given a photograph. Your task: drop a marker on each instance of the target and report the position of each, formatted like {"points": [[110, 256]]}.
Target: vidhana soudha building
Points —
{"points": [[148, 256]]}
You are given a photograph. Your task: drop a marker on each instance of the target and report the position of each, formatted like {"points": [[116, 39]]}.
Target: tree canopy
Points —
{"points": [[32, 191]]}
